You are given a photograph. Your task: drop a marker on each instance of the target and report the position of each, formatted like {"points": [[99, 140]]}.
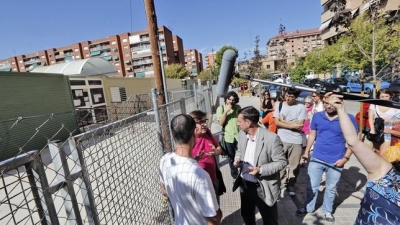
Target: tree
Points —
{"points": [[220, 53], [372, 37], [298, 73], [205, 75], [255, 65], [176, 71]]}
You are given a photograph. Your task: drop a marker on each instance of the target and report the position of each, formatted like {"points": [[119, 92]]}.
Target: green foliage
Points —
{"points": [[237, 80], [176, 71], [298, 73], [205, 75], [220, 53], [364, 36]]}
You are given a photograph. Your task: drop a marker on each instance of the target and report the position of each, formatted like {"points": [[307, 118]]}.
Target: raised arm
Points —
{"points": [[371, 113], [375, 165]]}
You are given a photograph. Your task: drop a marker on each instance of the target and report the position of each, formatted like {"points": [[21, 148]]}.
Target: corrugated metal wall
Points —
{"points": [[34, 98]]}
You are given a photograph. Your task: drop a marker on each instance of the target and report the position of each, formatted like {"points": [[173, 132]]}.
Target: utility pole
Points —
{"points": [[155, 51]]}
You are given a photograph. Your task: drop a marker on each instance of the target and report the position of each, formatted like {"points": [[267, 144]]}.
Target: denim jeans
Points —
{"points": [[231, 148], [316, 168]]}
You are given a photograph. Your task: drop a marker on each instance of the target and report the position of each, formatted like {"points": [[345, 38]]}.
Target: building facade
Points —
{"points": [[130, 53], [210, 60], [193, 61], [328, 32], [296, 43]]}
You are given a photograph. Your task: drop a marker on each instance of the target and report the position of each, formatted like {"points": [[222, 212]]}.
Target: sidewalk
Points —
{"points": [[346, 205]]}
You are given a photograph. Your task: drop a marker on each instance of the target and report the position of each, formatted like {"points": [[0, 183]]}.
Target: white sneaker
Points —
{"points": [[291, 191]]}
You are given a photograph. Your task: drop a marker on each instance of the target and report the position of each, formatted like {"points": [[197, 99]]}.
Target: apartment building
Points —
{"points": [[193, 61], [10, 64], [389, 7], [178, 49], [130, 53], [210, 60], [296, 43]]}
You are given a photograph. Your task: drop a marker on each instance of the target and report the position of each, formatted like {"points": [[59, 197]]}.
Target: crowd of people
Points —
{"points": [[265, 149]]}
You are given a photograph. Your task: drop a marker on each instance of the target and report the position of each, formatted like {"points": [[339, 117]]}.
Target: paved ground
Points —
{"points": [[350, 189]]}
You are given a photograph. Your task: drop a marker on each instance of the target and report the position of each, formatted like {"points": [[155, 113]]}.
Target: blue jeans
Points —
{"points": [[316, 168], [231, 148]]}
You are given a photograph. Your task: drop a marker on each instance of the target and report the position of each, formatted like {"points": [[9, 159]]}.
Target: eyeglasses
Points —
{"points": [[202, 121], [314, 96]]}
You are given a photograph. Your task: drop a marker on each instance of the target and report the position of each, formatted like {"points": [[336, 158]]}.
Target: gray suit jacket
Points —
{"points": [[270, 157]]}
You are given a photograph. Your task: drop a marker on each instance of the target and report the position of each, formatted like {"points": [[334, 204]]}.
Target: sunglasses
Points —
{"points": [[202, 121]]}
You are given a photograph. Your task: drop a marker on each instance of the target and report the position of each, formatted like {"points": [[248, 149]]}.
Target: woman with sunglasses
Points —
{"points": [[267, 104], [206, 146]]}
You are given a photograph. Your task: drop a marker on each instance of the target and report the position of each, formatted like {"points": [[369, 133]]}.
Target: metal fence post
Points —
{"points": [[61, 166], [183, 105], [87, 191], [207, 99], [157, 117], [52, 215], [195, 96]]}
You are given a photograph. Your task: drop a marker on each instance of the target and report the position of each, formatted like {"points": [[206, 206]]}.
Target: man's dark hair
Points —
{"points": [[232, 93], [182, 128], [294, 92], [250, 113]]}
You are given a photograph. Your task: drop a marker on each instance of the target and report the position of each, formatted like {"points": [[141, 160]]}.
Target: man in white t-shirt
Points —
{"points": [[184, 182], [289, 117]]}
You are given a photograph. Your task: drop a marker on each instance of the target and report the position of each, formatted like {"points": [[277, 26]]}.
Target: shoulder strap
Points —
{"points": [[376, 111], [223, 127], [280, 106]]}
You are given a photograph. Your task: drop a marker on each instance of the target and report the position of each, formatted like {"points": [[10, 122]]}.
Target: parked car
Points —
{"points": [[338, 84], [355, 86], [313, 83], [264, 87], [274, 91]]}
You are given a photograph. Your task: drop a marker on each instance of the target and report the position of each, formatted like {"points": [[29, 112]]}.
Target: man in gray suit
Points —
{"points": [[261, 157]]}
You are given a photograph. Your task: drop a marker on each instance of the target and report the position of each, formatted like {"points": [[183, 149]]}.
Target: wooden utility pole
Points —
{"points": [[153, 36], [155, 55]]}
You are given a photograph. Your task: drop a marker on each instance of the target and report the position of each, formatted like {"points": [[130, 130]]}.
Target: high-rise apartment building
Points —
{"points": [[296, 43], [178, 49], [193, 61], [210, 59], [357, 7], [130, 53]]}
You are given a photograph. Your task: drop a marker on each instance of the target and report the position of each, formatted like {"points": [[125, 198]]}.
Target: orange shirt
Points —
{"points": [[269, 122]]}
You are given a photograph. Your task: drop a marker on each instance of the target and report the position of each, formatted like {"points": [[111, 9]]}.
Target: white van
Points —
{"points": [[282, 78]]}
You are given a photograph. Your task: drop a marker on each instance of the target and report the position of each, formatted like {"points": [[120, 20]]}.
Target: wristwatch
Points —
{"points": [[347, 158]]}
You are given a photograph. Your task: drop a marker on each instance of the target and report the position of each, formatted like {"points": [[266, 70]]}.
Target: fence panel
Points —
{"points": [[101, 170]]}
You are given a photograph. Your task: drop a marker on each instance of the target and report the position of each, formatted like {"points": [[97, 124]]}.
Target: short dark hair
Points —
{"points": [[182, 128], [384, 91], [250, 113], [197, 115], [231, 93], [292, 91]]}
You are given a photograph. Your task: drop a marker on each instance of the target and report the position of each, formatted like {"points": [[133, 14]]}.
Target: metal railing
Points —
{"points": [[106, 175]]}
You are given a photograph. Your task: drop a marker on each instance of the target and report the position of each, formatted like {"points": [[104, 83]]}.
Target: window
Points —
{"points": [[78, 57], [87, 55], [268, 67], [77, 82], [13, 63], [94, 82], [113, 42], [116, 64], [76, 50], [85, 48], [124, 40], [43, 56], [97, 95], [125, 47], [118, 94]]}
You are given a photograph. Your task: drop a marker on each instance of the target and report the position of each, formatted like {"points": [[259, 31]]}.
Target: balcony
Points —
{"points": [[63, 55], [31, 61], [324, 2], [326, 16], [141, 62], [99, 48]]}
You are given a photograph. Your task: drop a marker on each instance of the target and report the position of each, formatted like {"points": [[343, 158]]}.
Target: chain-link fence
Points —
{"points": [[103, 174]]}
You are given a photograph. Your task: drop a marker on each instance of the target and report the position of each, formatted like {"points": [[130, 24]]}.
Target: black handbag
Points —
{"points": [[379, 125], [222, 144], [221, 188]]}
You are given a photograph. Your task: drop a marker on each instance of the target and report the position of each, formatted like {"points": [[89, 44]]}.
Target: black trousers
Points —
{"points": [[250, 200]]}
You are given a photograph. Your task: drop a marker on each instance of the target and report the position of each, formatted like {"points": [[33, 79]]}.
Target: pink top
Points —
{"points": [[205, 161], [307, 121]]}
